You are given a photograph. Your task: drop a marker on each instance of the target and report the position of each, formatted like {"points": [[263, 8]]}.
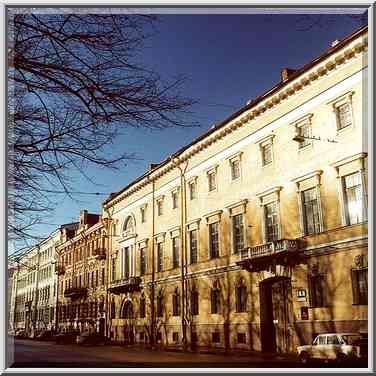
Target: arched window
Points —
{"points": [[128, 227], [112, 309], [215, 298], [241, 296], [142, 306], [127, 310], [176, 302]]}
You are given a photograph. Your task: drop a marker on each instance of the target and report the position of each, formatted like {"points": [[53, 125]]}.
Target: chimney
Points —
{"points": [[152, 166], [83, 217], [286, 73], [334, 43]]}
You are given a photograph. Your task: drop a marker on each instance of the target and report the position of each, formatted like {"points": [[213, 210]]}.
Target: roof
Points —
{"points": [[292, 76]]}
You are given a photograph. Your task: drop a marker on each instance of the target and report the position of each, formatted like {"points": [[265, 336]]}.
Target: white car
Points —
{"points": [[341, 347]]}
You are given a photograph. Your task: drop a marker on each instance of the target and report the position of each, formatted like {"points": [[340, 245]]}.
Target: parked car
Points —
{"points": [[44, 335], [66, 337], [90, 338], [21, 334], [340, 347]]}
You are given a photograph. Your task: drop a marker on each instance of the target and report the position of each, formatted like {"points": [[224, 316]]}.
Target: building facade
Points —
{"points": [[82, 275], [255, 235]]}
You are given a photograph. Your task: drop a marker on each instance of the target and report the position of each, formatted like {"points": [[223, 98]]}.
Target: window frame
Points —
{"points": [[210, 239], [358, 298], [337, 103], [190, 231]]}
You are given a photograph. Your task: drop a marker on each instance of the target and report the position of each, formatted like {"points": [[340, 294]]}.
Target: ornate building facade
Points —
{"points": [[254, 236], [81, 281]]}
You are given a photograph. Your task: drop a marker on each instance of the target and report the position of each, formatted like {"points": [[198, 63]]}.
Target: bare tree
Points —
{"points": [[75, 83]]}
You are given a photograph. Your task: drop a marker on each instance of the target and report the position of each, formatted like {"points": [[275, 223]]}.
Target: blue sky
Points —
{"points": [[227, 60]]}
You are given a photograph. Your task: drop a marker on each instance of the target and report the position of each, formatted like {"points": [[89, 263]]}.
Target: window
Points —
{"points": [[311, 214], [159, 207], [332, 340], [143, 260], [212, 181], [271, 222], [238, 232], [215, 300], [193, 246], [175, 252], [142, 306], [126, 262], [143, 214], [359, 279], [353, 197], [175, 336], [214, 240], [216, 337], [305, 131], [112, 310], [128, 228], [174, 200], [159, 257], [192, 190], [113, 268], [241, 338], [235, 169], [317, 288], [267, 153], [176, 303], [159, 305], [241, 297], [194, 302], [103, 276], [343, 113]]}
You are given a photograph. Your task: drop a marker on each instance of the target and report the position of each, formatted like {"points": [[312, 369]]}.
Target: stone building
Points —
{"points": [[81, 272], [254, 236]]}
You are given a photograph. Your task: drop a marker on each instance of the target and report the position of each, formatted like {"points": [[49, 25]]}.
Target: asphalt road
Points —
{"points": [[31, 353]]}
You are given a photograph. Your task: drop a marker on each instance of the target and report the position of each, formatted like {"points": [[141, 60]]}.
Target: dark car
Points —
{"points": [[45, 335], [21, 334], [66, 337], [87, 338]]}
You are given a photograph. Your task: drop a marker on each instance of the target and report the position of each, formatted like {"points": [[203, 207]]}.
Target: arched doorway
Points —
{"points": [[126, 313], [276, 315]]}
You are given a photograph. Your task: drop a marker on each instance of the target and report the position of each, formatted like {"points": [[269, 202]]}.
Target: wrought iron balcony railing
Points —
{"points": [[99, 253], [270, 249], [59, 269], [127, 284]]}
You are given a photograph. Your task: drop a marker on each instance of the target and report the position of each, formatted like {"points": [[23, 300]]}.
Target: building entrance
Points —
{"points": [[276, 315], [128, 322]]}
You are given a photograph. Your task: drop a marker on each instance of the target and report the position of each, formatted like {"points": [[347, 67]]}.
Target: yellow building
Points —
{"points": [[81, 291], [254, 236]]}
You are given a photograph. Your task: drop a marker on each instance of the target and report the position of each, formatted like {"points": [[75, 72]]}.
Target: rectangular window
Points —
{"points": [[235, 169], [193, 246], [176, 304], [159, 257], [359, 279], [194, 302], [354, 208], [103, 276], [143, 260], [159, 207], [215, 300], [343, 115], [311, 216], [267, 156], [238, 232], [214, 240], [305, 131], [175, 252], [317, 288], [212, 181], [126, 262], [241, 338], [271, 222], [216, 337], [174, 200], [113, 269], [159, 306], [175, 337], [143, 217], [192, 190]]}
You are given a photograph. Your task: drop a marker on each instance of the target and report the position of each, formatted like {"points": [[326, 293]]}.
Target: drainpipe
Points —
{"points": [[152, 298], [183, 216]]}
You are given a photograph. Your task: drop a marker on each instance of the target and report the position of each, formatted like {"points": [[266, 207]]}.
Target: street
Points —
{"points": [[31, 353]]}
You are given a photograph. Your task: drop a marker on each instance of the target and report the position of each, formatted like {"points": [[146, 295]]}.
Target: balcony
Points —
{"points": [[59, 269], [129, 284], [99, 253], [75, 292], [281, 252]]}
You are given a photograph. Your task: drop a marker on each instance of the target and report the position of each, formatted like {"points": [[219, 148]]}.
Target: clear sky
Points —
{"points": [[228, 60]]}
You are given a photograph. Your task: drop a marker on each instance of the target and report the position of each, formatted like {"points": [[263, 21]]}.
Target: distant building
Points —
{"points": [[254, 236], [81, 273]]}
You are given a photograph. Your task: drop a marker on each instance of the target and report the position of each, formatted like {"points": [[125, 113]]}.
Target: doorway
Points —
{"points": [[126, 314], [276, 315]]}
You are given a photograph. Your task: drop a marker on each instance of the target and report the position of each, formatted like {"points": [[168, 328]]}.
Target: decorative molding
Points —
{"points": [[236, 156], [269, 191], [316, 173], [213, 213], [350, 159], [302, 119], [265, 140]]}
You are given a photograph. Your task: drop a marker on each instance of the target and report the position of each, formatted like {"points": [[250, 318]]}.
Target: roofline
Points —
{"points": [[247, 107]]}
